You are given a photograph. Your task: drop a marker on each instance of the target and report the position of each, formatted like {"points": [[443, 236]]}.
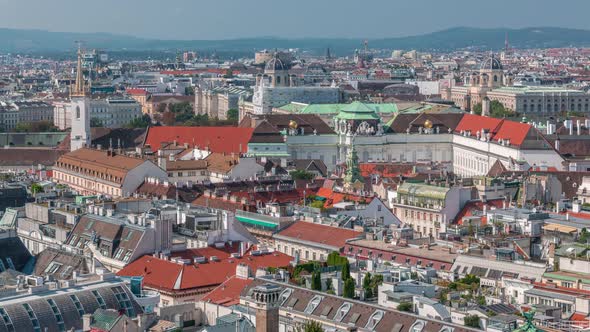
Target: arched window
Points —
{"points": [[278, 80], [495, 78]]}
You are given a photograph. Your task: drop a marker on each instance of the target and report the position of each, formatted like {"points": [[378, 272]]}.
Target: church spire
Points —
{"points": [[79, 89]]}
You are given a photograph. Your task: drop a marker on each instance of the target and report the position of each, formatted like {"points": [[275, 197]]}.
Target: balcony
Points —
{"points": [[148, 299]]}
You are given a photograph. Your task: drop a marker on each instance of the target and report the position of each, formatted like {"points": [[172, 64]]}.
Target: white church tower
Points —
{"points": [[80, 107]]}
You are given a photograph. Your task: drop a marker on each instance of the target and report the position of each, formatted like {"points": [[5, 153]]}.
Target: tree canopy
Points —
{"points": [[497, 110]]}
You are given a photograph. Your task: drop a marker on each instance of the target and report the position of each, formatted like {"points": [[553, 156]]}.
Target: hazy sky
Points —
{"points": [[201, 19]]}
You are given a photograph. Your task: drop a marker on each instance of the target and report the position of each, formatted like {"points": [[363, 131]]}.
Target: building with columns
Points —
{"points": [[492, 82], [277, 87]]}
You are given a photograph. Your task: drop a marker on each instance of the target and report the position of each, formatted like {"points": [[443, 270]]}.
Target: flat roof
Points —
{"points": [[435, 252]]}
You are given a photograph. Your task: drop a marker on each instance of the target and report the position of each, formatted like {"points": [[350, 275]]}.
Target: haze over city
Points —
{"points": [[223, 19]]}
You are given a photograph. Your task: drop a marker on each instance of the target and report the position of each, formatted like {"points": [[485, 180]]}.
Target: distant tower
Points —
{"points": [[80, 107], [328, 55], [506, 44], [267, 298]]}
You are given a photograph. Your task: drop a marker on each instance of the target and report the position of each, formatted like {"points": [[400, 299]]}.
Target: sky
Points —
{"points": [[226, 19]]}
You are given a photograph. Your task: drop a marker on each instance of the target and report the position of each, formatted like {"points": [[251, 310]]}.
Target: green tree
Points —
{"points": [[301, 175], [310, 326], [36, 188], [233, 115], [497, 110], [405, 306], [368, 286], [316, 280], [189, 91], [584, 236], [183, 107], [348, 291], [329, 285], [95, 122], [140, 122], [375, 282], [472, 321], [161, 108], [346, 271], [228, 73], [334, 259], [22, 127]]}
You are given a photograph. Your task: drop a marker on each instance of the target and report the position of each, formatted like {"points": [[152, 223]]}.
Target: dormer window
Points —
{"points": [[285, 295], [315, 301], [374, 320], [342, 311]]}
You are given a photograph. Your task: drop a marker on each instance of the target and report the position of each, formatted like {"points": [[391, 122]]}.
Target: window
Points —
{"points": [[374, 320], [7, 320], [32, 317], [124, 302], [10, 263], [285, 295], [77, 304], [342, 311], [99, 299], [418, 326], [119, 253], [52, 268], [58, 317], [2, 267], [127, 256]]}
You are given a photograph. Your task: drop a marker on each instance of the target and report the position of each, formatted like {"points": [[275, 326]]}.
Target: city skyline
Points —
{"points": [[231, 19]]}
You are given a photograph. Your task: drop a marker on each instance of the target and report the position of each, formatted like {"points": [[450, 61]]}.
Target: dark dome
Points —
{"points": [[275, 64], [491, 64]]}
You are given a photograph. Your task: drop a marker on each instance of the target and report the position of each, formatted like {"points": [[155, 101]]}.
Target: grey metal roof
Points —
{"points": [[71, 317]]}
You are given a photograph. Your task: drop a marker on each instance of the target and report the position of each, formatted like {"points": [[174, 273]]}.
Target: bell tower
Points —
{"points": [[267, 297], [80, 107]]}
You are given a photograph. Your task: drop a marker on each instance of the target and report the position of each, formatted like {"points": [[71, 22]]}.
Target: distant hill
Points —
{"points": [[39, 41]]}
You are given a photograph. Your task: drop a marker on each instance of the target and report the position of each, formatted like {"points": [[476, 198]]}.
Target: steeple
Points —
{"points": [[79, 89], [353, 171]]}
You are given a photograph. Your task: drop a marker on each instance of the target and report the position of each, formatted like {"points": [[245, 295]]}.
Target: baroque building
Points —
{"points": [[493, 83]]}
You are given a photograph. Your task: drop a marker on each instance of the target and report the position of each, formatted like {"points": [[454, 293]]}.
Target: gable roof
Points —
{"points": [[228, 293], [217, 139], [499, 129], [168, 275], [101, 161]]}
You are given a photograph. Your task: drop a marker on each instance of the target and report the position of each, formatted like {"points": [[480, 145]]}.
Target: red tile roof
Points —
{"points": [[469, 208], [136, 92], [166, 275], [562, 290], [385, 170], [228, 293], [333, 197], [499, 129], [217, 139], [321, 234]]}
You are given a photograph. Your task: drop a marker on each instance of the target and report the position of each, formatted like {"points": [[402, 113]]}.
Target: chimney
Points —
{"points": [[557, 144], [579, 127], [86, 321]]}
